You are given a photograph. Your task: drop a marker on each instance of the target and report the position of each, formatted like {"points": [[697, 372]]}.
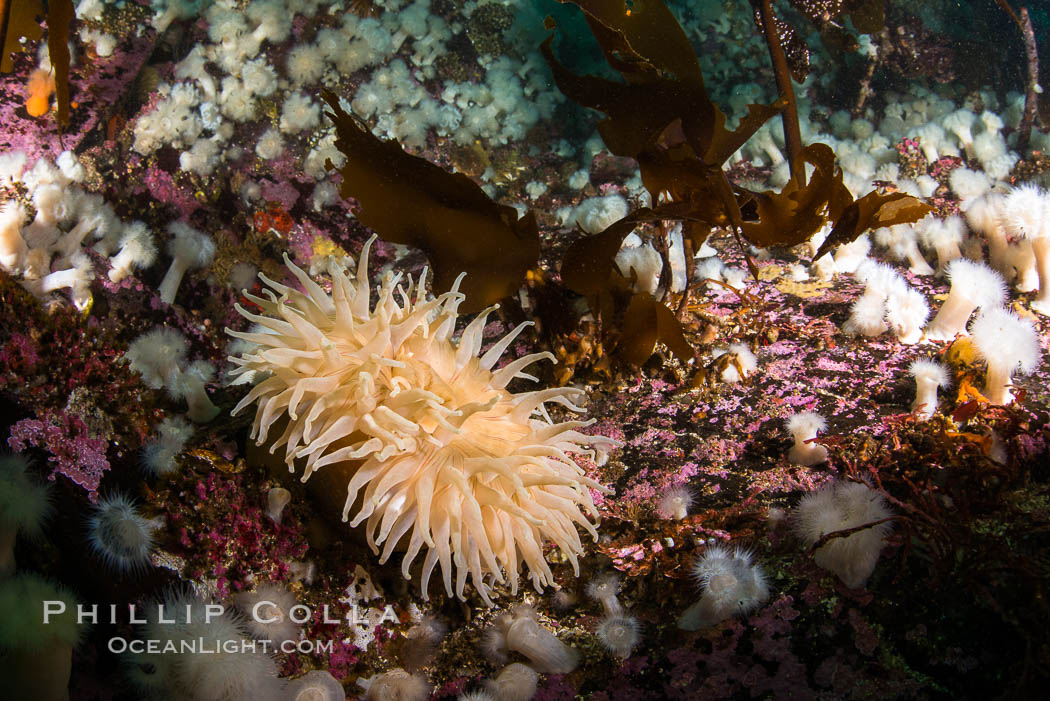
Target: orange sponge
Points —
{"points": [[41, 86]]}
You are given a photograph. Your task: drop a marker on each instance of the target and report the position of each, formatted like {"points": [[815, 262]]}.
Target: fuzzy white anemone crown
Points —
{"points": [[449, 459]]}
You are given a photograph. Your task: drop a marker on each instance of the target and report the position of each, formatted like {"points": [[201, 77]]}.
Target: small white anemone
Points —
{"points": [[732, 586], [595, 214], [974, 286], [189, 384], [906, 312], [119, 535], [268, 613], [397, 685], [929, 377], [867, 317], [277, 499], [804, 428], [944, 236], [742, 362], [1026, 213], [985, 217], [903, 245], [1008, 344], [227, 669], [189, 249], [159, 453], [305, 64], [24, 506], [850, 256], [515, 682], [603, 589], [137, 250], [960, 123], [674, 503], [619, 634], [969, 185], [422, 641], [519, 631], [38, 650], [316, 685]]}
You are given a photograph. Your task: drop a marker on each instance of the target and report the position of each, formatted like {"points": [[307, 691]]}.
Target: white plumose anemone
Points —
{"points": [[732, 585], [446, 457], [840, 506], [121, 536]]}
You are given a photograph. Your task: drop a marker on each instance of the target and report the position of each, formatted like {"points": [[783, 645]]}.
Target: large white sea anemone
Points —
{"points": [[444, 455]]}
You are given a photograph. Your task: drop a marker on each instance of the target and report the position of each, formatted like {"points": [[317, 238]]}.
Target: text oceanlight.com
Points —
{"points": [[204, 646], [263, 612]]}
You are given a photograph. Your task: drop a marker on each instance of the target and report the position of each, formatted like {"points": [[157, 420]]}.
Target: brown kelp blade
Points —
{"points": [[409, 200], [645, 322], [794, 214], [20, 19], [873, 211], [662, 82]]}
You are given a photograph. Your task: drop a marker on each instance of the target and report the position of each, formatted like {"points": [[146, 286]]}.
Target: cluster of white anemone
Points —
{"points": [[449, 459]]}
